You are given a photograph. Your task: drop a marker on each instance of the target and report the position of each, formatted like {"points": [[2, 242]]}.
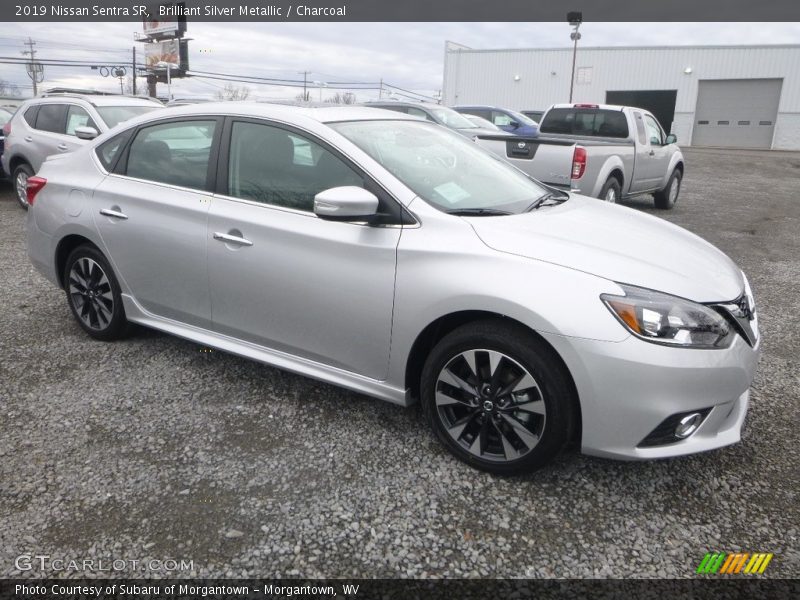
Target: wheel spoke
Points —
{"points": [[479, 443], [470, 359], [443, 399], [449, 377], [508, 449], [528, 438], [457, 428], [522, 382], [534, 406]]}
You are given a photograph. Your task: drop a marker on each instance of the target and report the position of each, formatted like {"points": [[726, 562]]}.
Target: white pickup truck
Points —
{"points": [[609, 152]]}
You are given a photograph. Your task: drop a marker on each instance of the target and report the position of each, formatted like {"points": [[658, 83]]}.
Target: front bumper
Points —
{"points": [[628, 388]]}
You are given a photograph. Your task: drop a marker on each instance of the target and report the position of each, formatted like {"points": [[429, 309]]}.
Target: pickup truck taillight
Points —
{"points": [[7, 129], [33, 187], [578, 162]]}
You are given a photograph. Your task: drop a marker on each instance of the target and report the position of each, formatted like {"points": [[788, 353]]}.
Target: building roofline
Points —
{"points": [[466, 50]]}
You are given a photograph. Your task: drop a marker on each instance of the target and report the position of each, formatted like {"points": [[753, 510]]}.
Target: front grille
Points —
{"points": [[742, 315]]}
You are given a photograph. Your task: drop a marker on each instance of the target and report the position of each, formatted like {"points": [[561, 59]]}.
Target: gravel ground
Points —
{"points": [[156, 448]]}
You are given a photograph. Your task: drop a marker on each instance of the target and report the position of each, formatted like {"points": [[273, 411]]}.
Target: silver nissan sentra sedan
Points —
{"points": [[393, 257]]}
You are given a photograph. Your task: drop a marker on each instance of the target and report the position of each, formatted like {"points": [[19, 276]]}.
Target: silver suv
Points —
{"points": [[58, 123]]}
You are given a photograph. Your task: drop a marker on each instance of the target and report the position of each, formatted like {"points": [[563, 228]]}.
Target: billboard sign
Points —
{"points": [[158, 23], [166, 51]]}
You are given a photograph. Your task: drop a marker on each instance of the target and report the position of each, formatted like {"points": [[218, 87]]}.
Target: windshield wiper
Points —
{"points": [[555, 196], [477, 212]]}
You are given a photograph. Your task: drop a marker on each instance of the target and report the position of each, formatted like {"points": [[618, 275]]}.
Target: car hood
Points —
{"points": [[616, 243]]}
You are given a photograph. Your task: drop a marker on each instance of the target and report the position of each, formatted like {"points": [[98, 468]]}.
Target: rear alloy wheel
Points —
{"points": [[94, 295], [20, 177], [611, 191], [666, 198], [497, 398]]}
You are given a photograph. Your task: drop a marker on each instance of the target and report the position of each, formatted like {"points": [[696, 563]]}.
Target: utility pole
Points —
{"points": [[134, 70], [574, 19], [305, 75], [34, 69], [380, 90]]}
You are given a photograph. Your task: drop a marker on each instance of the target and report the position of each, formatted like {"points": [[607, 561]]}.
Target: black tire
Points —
{"points": [[665, 199], [611, 188], [500, 449], [94, 297], [18, 179]]}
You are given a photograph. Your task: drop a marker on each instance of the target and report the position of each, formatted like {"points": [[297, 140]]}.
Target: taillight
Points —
{"points": [[7, 129], [578, 162], [33, 187], [585, 106]]}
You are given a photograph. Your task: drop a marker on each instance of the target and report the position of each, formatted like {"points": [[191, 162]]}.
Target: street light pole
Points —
{"points": [[169, 66], [575, 19]]}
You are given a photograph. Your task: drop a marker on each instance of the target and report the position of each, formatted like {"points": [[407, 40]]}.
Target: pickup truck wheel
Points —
{"points": [[497, 398], [666, 198], [611, 191], [20, 178]]}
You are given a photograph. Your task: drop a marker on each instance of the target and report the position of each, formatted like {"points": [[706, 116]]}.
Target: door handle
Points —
{"points": [[652, 152], [62, 146], [113, 213], [232, 239], [28, 138]]}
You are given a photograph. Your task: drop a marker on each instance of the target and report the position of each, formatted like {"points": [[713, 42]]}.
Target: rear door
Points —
{"points": [[280, 276], [152, 214], [47, 135]]}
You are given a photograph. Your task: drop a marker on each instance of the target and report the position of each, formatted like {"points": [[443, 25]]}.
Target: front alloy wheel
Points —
{"points": [[498, 397], [490, 405]]}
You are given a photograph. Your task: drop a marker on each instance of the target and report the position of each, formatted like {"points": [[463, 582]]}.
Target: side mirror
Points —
{"points": [[86, 133], [672, 138], [514, 124], [347, 203]]}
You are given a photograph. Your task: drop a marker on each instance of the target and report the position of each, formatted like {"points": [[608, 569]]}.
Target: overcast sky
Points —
{"points": [[409, 55]]}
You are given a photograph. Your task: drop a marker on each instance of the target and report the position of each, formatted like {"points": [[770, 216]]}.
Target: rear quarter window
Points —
{"points": [[108, 152], [595, 123], [30, 115]]}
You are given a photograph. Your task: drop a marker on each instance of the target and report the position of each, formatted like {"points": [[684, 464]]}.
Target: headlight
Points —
{"points": [[664, 319]]}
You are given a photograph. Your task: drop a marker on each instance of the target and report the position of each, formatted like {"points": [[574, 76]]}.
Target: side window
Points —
{"points": [[640, 128], [415, 112], [175, 153], [653, 131], [108, 151], [78, 117], [30, 115], [501, 119], [51, 117], [274, 166]]}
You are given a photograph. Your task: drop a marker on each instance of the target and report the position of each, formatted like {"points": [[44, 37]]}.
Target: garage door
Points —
{"points": [[736, 112]]}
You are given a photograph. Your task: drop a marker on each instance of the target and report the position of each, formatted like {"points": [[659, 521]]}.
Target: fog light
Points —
{"points": [[688, 425]]}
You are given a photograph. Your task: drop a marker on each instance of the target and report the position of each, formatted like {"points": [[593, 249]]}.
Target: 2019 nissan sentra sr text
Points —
{"points": [[398, 259]]}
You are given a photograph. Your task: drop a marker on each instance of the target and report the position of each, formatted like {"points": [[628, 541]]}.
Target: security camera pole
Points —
{"points": [[575, 19]]}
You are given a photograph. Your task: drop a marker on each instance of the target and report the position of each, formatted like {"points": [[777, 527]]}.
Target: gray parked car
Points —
{"points": [[391, 256], [61, 122], [442, 115]]}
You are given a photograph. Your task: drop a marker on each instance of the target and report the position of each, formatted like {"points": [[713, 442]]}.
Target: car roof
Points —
{"points": [[402, 103], [98, 100], [327, 114]]}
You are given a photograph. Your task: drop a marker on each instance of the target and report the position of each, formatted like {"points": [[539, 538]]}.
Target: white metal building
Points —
{"points": [[742, 96]]}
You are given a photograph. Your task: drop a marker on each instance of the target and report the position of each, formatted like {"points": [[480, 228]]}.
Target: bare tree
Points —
{"points": [[303, 96], [231, 92], [8, 89], [339, 98]]}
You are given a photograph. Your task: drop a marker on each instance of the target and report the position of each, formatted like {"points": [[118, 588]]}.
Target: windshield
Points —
{"points": [[452, 119], [442, 167], [481, 122], [522, 119], [114, 115]]}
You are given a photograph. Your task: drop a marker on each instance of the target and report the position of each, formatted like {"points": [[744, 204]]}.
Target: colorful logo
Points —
{"points": [[724, 563]]}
